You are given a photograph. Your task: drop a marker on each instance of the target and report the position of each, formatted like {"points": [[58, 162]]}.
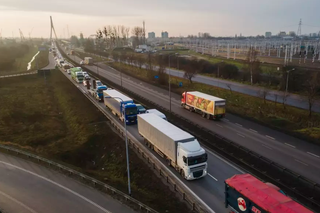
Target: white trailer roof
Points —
{"points": [[206, 96], [114, 93], [167, 128]]}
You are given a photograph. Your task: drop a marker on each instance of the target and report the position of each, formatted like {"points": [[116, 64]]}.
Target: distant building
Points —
{"points": [[164, 34], [282, 33], [292, 33], [268, 34], [151, 35]]}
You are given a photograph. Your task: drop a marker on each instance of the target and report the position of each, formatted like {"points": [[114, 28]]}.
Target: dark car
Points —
{"points": [[140, 109]]}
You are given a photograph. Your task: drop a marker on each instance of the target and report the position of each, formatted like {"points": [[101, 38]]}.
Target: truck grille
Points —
{"points": [[198, 168], [197, 174]]}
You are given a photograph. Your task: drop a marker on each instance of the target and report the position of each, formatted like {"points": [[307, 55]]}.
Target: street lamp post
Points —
{"points": [[288, 72], [127, 149], [219, 72], [170, 80]]}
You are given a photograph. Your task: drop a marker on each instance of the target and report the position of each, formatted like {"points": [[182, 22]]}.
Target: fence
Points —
{"points": [[15, 75]]}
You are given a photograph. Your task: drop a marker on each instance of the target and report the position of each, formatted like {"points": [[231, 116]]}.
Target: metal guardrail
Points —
{"points": [[177, 186], [302, 189], [95, 182], [20, 74]]}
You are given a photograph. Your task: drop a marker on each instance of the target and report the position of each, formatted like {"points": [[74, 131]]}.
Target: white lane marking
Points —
{"points": [[213, 177], [18, 202], [301, 162], [241, 135], [233, 166], [59, 185], [266, 146], [317, 156], [270, 137], [253, 130], [226, 119], [237, 124], [219, 125], [290, 145], [83, 90]]}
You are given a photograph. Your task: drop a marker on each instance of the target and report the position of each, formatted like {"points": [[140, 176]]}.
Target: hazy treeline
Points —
{"points": [[9, 53]]}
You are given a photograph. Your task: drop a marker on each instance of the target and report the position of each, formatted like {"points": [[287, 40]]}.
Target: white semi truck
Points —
{"points": [[181, 150]]}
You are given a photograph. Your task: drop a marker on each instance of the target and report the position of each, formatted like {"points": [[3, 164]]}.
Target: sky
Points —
{"points": [[177, 17]]}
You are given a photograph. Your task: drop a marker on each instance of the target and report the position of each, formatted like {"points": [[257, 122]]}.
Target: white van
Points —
{"points": [[157, 112]]}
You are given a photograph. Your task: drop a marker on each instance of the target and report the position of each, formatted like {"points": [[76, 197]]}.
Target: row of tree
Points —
{"points": [[305, 82]]}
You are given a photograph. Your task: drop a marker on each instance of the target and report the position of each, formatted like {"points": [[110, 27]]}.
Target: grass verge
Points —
{"points": [[288, 119], [56, 121]]}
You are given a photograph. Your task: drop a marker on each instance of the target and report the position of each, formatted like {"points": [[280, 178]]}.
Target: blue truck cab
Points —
{"points": [[121, 105], [99, 92]]}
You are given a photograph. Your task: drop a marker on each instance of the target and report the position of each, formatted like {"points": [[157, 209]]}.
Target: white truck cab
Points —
{"points": [[192, 158]]}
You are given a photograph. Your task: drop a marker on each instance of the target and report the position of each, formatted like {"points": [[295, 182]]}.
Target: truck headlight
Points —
{"points": [[127, 121], [189, 176]]}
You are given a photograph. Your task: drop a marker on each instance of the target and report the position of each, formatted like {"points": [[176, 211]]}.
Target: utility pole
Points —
{"points": [[288, 72]]}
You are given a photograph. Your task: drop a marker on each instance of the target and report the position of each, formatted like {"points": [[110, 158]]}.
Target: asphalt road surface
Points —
{"points": [[295, 154], [210, 189], [292, 99], [26, 187], [288, 151]]}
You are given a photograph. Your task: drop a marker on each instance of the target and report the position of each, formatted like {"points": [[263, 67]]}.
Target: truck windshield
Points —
{"points": [[197, 159], [131, 111]]}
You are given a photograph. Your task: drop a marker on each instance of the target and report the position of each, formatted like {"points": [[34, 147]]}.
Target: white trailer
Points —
{"points": [[88, 60], [121, 106], [181, 150]]}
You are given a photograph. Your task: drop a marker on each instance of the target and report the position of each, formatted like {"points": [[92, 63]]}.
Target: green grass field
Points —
{"points": [[21, 64], [55, 120], [289, 119]]}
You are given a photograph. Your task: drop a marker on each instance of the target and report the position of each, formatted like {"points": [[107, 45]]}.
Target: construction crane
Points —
{"points": [[30, 34], [21, 35]]}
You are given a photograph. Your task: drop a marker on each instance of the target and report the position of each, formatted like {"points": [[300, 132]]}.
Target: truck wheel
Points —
{"points": [[190, 109], [203, 114], [208, 116], [168, 162], [182, 174]]}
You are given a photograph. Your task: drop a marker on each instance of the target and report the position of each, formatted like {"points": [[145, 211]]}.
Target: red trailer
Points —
{"points": [[245, 193]]}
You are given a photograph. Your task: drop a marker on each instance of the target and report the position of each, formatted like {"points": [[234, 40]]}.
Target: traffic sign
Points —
{"points": [[42, 48]]}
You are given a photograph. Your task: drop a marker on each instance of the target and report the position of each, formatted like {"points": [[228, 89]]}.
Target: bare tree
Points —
{"points": [[229, 86], [140, 60], [284, 97], [264, 93], [272, 73], [275, 98], [312, 87], [189, 73], [253, 64], [137, 32]]}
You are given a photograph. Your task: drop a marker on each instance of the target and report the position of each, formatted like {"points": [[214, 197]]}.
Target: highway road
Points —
{"points": [[292, 99], [210, 188], [26, 187], [52, 63], [295, 154]]}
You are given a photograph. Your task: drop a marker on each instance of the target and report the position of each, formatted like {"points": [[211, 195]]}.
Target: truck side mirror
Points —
{"points": [[184, 159]]}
